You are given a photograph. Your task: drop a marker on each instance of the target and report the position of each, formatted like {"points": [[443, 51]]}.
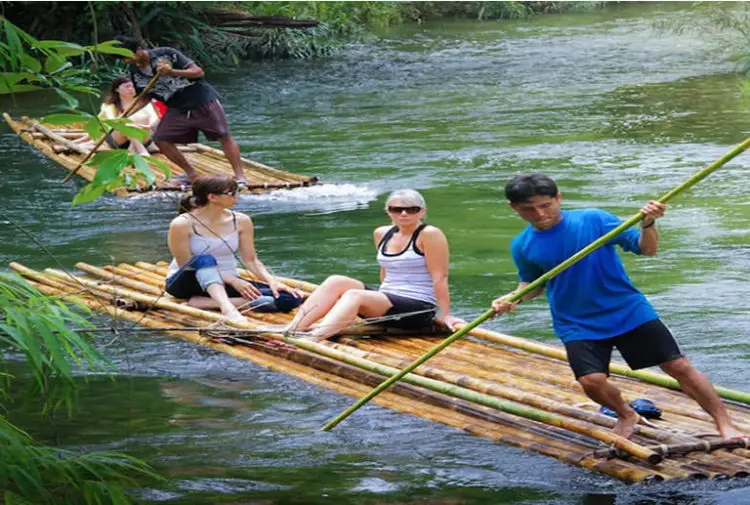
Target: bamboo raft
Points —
{"points": [[467, 386], [56, 143]]}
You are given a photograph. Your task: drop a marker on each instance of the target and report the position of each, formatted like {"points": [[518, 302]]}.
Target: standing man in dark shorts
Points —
{"points": [[594, 305], [193, 104]]}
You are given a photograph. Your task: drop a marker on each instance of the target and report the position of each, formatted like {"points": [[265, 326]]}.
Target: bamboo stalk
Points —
{"points": [[57, 138], [497, 403], [669, 450]]}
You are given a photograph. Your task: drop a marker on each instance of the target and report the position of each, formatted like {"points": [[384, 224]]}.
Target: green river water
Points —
{"points": [[617, 112]]}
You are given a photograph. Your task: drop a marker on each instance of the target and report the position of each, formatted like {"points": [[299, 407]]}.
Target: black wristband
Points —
{"points": [[648, 225]]}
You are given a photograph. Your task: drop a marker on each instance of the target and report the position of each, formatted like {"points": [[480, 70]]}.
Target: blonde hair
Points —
{"points": [[408, 196]]}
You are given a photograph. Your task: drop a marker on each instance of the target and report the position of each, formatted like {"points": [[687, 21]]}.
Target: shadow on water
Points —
{"points": [[617, 113]]}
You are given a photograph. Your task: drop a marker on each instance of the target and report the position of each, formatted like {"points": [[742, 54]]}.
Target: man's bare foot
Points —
{"points": [[626, 424]]}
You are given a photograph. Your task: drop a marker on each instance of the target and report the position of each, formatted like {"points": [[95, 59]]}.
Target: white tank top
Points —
{"points": [[223, 249], [406, 272]]}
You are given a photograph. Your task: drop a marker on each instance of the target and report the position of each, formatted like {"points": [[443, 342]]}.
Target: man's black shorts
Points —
{"points": [[647, 345]]}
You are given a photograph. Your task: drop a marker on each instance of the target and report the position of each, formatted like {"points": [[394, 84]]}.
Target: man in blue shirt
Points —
{"points": [[594, 305]]}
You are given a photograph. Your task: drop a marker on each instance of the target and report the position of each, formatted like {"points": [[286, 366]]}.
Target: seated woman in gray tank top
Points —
{"points": [[413, 260], [206, 239]]}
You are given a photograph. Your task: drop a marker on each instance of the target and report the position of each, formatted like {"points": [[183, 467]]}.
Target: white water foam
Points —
{"points": [[319, 199]]}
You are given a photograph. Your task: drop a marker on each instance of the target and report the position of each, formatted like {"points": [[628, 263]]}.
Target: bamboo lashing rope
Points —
{"points": [[104, 137], [540, 281]]}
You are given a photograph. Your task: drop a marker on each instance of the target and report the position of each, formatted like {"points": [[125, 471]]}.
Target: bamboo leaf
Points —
{"points": [[109, 165], [70, 99], [94, 128], [31, 63], [61, 48], [161, 164], [142, 168], [125, 126], [88, 193], [19, 88], [67, 118], [54, 63], [14, 43], [111, 47]]}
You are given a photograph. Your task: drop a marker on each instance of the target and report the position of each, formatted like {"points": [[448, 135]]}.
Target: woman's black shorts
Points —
{"points": [[649, 344], [402, 305]]}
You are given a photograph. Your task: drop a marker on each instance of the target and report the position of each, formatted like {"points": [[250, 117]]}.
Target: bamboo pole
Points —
{"points": [[104, 137], [540, 281], [605, 436], [57, 138], [669, 450]]}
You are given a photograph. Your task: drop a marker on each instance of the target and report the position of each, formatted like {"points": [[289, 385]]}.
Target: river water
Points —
{"points": [[616, 111]]}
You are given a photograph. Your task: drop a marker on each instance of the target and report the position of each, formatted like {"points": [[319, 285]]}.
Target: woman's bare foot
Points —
{"points": [[235, 317], [626, 424]]}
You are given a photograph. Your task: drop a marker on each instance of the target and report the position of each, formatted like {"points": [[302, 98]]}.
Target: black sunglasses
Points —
{"points": [[230, 193], [409, 210]]}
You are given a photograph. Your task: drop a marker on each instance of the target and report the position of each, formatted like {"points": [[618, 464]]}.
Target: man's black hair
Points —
{"points": [[130, 43], [524, 186]]}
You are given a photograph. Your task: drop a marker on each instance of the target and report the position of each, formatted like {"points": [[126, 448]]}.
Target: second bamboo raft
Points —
{"points": [[489, 366], [57, 144]]}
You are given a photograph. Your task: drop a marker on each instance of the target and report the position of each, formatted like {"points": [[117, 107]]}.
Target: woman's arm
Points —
{"points": [[435, 248], [250, 258], [178, 240], [377, 236]]}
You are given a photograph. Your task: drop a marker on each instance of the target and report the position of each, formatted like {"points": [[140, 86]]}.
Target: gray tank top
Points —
{"points": [[223, 249], [406, 272]]}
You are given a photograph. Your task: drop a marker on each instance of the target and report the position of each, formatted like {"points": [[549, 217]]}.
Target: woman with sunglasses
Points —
{"points": [[413, 260], [206, 239]]}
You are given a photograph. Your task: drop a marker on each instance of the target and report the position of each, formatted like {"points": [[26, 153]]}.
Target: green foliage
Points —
{"points": [[35, 474], [725, 25], [39, 328], [28, 64]]}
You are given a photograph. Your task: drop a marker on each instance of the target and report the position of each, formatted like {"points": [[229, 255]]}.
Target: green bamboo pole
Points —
{"points": [[540, 281]]}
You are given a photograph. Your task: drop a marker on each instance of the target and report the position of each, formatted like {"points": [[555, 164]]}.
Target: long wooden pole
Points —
{"points": [[101, 140], [540, 281]]}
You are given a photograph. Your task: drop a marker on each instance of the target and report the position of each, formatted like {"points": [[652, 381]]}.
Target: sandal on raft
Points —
{"points": [[642, 406]]}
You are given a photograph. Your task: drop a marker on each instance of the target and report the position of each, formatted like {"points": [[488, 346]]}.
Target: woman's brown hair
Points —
{"points": [[113, 97], [207, 185]]}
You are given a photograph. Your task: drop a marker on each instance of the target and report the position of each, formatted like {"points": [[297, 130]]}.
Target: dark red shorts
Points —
{"points": [[182, 127]]}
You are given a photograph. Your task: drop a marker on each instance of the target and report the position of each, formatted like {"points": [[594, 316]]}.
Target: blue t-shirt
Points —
{"points": [[594, 298]]}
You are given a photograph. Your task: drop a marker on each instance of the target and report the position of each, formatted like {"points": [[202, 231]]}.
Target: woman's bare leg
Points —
{"points": [[351, 303], [322, 300], [218, 299]]}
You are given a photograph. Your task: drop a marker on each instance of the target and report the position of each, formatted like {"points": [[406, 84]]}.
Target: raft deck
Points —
{"points": [[56, 142], [454, 388]]}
